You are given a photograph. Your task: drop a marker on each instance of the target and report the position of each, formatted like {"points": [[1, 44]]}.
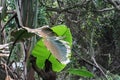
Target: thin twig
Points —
{"points": [[9, 12], [98, 67], [68, 8], [4, 55], [6, 69], [8, 21], [14, 45], [105, 9], [92, 53], [115, 3], [5, 45]]}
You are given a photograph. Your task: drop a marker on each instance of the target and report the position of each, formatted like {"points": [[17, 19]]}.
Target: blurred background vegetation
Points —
{"points": [[94, 24]]}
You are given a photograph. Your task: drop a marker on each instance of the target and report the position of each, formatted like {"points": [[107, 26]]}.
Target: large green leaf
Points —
{"points": [[81, 72], [42, 53]]}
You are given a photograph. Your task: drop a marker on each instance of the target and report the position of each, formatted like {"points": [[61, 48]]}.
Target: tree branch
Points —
{"points": [[68, 8], [105, 9], [14, 15], [115, 3], [9, 12]]}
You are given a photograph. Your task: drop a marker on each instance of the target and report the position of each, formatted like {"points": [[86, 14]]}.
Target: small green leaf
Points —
{"points": [[81, 72]]}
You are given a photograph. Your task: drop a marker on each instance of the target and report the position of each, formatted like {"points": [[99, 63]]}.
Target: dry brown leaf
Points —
{"points": [[8, 78]]}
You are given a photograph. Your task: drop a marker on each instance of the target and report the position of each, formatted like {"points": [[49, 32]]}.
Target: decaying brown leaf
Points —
{"points": [[8, 78]]}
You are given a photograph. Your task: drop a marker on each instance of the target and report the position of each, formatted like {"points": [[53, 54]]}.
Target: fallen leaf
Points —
{"points": [[8, 78]]}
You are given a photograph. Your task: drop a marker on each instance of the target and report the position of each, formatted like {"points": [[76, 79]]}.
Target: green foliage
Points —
{"points": [[4, 9], [81, 72], [109, 77], [42, 53], [42, 20], [95, 27]]}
